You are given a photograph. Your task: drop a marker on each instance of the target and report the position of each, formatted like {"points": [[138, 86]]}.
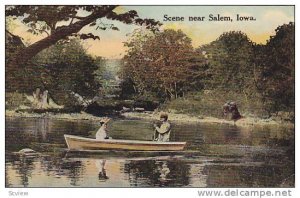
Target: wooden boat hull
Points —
{"points": [[81, 143]]}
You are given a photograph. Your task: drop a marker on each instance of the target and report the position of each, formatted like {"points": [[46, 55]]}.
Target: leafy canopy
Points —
{"points": [[161, 63], [49, 19]]}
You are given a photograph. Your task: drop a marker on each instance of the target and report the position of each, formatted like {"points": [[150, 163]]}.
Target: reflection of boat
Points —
{"points": [[81, 143]]}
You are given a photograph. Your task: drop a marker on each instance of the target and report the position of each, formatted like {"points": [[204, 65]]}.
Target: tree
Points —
{"points": [[264, 73], [23, 79], [108, 76], [69, 72], [230, 63], [276, 61], [163, 63], [49, 20]]}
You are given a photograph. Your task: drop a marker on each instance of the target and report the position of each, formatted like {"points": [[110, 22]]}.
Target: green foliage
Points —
{"points": [[276, 62], [161, 63], [68, 70], [107, 75], [260, 78], [230, 63], [46, 19], [21, 79], [62, 23], [13, 100], [209, 103]]}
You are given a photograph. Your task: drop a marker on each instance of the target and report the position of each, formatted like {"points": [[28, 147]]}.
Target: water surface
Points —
{"points": [[222, 156]]}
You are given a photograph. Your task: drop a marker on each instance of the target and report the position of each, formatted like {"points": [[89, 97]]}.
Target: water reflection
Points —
{"points": [[251, 176], [157, 173], [24, 166], [229, 156], [42, 128], [164, 171], [169, 172], [24, 169], [102, 172], [74, 170]]}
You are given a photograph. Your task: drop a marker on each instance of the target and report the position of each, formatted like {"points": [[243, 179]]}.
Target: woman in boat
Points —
{"points": [[102, 131], [162, 133]]}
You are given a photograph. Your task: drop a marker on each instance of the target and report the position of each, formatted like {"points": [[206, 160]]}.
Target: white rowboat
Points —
{"points": [[81, 143]]}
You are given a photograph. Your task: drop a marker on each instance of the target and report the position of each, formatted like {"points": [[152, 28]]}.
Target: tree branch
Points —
{"points": [[59, 33]]}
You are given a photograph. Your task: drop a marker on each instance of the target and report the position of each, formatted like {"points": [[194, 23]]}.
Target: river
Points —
{"points": [[222, 156]]}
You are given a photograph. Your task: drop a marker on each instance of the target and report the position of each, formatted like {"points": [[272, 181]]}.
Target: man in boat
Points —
{"points": [[102, 131], [162, 133]]}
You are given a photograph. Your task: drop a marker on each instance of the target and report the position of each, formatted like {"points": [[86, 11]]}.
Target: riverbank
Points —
{"points": [[173, 117], [65, 116], [184, 118]]}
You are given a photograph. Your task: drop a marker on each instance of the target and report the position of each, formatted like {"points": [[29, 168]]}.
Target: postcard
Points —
{"points": [[155, 96]]}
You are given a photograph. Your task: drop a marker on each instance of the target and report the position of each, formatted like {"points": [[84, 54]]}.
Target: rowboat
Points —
{"points": [[82, 143]]}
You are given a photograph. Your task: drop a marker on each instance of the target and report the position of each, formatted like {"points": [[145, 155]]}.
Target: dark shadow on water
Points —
{"points": [[247, 176], [157, 173]]}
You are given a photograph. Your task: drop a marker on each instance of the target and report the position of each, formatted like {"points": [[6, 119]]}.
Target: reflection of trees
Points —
{"points": [[193, 135], [42, 128], [74, 170], [7, 179], [51, 164], [245, 176], [232, 136], [196, 134], [15, 136], [24, 167], [21, 132], [157, 173], [58, 166]]}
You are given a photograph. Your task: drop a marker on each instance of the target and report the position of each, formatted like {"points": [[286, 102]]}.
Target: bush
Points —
{"points": [[13, 100], [209, 103]]}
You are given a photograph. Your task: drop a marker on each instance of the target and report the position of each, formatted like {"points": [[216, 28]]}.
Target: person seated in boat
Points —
{"points": [[162, 133], [102, 131]]}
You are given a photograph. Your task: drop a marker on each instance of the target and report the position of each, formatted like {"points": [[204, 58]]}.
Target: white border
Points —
{"points": [[127, 192]]}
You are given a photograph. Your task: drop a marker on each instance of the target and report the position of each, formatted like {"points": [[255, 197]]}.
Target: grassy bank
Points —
{"points": [[202, 107], [209, 104], [65, 116], [206, 107], [184, 118], [173, 117]]}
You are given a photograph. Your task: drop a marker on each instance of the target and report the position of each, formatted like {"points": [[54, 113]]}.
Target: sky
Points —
{"points": [[111, 43]]}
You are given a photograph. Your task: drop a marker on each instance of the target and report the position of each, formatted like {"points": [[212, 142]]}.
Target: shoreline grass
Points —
{"points": [[173, 117]]}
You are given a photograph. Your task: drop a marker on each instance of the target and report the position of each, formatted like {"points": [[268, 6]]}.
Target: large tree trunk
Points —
{"points": [[24, 55]]}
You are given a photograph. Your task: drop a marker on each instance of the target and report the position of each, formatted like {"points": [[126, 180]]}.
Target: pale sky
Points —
{"points": [[268, 18]]}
